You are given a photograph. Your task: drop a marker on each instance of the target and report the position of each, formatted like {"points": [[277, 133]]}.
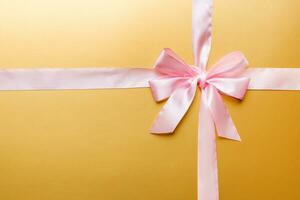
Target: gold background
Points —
{"points": [[94, 144]]}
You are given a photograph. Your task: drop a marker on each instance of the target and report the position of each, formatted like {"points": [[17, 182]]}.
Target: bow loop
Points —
{"points": [[171, 65], [162, 88], [234, 87], [230, 66], [178, 83], [225, 75]]}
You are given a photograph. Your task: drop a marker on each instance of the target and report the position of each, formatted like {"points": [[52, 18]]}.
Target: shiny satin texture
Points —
{"points": [[174, 80]]}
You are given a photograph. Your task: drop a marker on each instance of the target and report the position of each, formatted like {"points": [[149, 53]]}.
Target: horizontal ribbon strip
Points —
{"points": [[74, 78], [273, 78], [110, 78]]}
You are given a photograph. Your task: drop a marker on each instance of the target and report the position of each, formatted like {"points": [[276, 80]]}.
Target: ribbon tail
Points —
{"points": [[207, 155], [223, 122], [174, 110]]}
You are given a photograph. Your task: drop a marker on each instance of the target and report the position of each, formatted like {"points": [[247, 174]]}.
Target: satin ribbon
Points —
{"points": [[178, 83], [74, 78], [123, 78], [173, 79]]}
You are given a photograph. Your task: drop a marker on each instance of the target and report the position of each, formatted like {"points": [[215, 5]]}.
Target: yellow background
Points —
{"points": [[94, 144]]}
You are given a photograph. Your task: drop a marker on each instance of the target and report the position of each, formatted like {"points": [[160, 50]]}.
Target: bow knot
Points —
{"points": [[201, 80], [178, 82]]}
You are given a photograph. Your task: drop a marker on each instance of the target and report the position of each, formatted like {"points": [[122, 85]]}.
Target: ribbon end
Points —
{"points": [[159, 131], [238, 138], [158, 127], [235, 137]]}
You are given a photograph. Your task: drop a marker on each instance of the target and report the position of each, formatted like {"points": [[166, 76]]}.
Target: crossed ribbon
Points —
{"points": [[176, 81]]}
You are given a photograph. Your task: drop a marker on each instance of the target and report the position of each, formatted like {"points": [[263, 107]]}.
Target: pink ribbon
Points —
{"points": [[176, 81]]}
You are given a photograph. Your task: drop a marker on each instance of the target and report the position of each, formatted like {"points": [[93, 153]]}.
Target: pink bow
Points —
{"points": [[178, 82]]}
